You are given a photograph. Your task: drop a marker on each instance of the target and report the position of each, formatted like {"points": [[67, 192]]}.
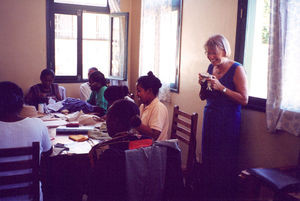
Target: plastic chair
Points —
{"points": [[184, 128], [33, 188]]}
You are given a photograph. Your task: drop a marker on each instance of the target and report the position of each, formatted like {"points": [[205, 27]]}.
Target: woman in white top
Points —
{"points": [[17, 131], [154, 114]]}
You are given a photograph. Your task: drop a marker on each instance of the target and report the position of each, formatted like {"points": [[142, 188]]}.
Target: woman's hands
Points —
{"points": [[212, 81], [215, 83]]}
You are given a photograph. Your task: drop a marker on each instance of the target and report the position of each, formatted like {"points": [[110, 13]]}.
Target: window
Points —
{"points": [[83, 34], [252, 43], [160, 40]]}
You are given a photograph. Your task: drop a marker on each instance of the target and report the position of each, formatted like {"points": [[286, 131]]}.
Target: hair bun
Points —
{"points": [[150, 73], [135, 121]]}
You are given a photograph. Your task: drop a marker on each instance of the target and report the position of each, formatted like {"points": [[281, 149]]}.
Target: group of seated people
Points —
{"points": [[153, 113], [124, 119]]}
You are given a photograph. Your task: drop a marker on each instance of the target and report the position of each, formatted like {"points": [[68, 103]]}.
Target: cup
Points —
{"points": [[41, 108]]}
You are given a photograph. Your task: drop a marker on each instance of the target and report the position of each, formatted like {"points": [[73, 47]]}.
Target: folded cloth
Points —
{"points": [[74, 105]]}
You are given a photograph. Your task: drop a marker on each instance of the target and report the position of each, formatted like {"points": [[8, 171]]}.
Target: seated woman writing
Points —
{"points": [[154, 114], [98, 86], [108, 158], [42, 92]]}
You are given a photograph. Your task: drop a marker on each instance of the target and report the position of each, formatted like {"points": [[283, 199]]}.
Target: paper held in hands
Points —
{"points": [[206, 76]]}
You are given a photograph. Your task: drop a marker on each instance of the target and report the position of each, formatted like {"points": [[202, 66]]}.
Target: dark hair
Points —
{"points": [[122, 116], [93, 68], [11, 98], [46, 72], [99, 77], [113, 93], [149, 81]]}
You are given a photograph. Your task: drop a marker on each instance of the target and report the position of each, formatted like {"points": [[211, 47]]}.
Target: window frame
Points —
{"points": [[174, 87], [254, 103], [61, 8]]}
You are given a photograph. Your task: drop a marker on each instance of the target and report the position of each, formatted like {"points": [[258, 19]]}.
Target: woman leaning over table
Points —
{"points": [[225, 91], [17, 131], [154, 114]]}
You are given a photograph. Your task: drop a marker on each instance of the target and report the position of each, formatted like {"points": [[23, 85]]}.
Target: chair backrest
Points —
{"points": [[33, 189], [184, 128]]}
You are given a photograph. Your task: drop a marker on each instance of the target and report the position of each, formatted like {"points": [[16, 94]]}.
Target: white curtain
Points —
{"points": [[283, 101], [158, 42], [114, 6]]}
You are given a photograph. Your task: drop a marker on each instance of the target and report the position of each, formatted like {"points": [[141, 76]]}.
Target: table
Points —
{"points": [[65, 174]]}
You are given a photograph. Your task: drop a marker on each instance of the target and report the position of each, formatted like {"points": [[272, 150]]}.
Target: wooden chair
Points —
{"points": [[33, 190], [184, 128]]}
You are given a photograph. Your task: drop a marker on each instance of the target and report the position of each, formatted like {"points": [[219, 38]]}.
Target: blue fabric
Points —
{"points": [[74, 105], [220, 133], [146, 171]]}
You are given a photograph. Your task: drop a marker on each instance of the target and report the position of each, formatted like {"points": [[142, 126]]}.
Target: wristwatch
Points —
{"points": [[224, 90]]}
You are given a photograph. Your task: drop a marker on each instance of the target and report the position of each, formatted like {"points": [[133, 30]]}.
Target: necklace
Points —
{"points": [[218, 71]]}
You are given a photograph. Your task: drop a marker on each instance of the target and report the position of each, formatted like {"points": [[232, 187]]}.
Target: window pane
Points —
{"points": [[168, 46], [96, 43], [65, 44], [256, 47], [118, 46], [102, 3], [160, 39]]}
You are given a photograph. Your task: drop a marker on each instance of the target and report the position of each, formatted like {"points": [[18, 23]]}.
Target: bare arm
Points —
{"points": [[145, 130]]}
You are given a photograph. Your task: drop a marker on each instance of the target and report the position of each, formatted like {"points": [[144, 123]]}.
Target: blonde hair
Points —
{"points": [[218, 41]]}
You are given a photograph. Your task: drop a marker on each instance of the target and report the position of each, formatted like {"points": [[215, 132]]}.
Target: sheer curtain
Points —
{"points": [[158, 40], [283, 101]]}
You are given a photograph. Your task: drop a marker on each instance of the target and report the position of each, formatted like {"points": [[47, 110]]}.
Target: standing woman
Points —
{"points": [[224, 91], [154, 114]]}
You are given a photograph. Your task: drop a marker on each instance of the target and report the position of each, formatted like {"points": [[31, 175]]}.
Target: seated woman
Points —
{"points": [[98, 86], [154, 114], [17, 131], [108, 158], [41, 93]]}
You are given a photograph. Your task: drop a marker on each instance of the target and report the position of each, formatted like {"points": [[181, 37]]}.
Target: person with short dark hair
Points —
{"points": [[42, 92], [114, 93], [85, 90], [17, 131], [154, 114], [98, 86]]}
